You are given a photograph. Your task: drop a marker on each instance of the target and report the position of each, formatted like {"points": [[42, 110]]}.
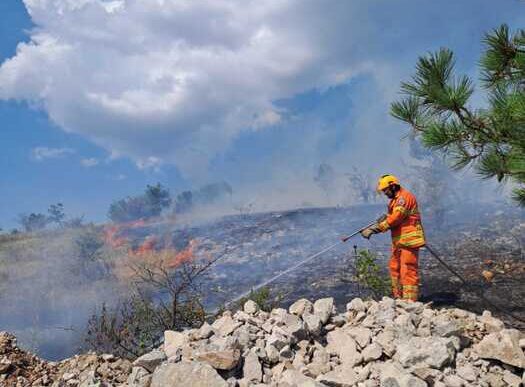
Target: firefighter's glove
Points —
{"points": [[382, 218], [368, 232]]}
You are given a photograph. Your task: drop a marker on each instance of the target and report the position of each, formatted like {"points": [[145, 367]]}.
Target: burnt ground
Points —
{"points": [[485, 244]]}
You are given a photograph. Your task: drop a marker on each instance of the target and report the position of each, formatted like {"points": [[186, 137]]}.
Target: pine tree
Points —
{"points": [[491, 138]]}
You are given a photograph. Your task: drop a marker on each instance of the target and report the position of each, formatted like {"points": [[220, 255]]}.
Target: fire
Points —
{"points": [[152, 251]]}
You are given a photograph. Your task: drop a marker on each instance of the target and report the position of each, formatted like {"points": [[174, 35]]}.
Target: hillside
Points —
{"points": [[50, 283]]}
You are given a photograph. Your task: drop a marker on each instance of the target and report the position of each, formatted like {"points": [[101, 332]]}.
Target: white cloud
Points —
{"points": [[89, 162], [42, 153], [175, 80]]}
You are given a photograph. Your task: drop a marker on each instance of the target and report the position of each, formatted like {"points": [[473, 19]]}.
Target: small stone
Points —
{"points": [[356, 305], [339, 377], [511, 379], [323, 308], [301, 307], [467, 372], [251, 307], [313, 323], [372, 352]]}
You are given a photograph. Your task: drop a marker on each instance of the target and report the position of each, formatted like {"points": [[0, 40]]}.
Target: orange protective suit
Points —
{"points": [[404, 221]]}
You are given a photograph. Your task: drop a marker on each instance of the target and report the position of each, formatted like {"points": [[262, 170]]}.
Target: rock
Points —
{"points": [[502, 346], [522, 343], [356, 305], [295, 378], [301, 307], [252, 369], [150, 360], [453, 381], [173, 343], [272, 354], [286, 354], [467, 372], [220, 360], [293, 326], [511, 379], [278, 338], [185, 373], [344, 346], [139, 377], [360, 335], [340, 377], [225, 325], [492, 324], [313, 324], [433, 352], [251, 307], [204, 332], [372, 352], [429, 375], [445, 327], [323, 308], [494, 380], [386, 340], [393, 375]]}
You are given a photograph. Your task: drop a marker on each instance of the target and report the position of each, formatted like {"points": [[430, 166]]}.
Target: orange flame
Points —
{"points": [[152, 251]]}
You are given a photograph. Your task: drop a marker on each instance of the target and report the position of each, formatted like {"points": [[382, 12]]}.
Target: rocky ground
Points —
{"points": [[386, 343]]}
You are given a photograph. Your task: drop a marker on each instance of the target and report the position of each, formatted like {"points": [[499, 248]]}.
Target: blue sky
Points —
{"points": [[112, 95]]}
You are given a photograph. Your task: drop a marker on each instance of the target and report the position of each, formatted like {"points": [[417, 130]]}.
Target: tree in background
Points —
{"points": [[492, 139], [360, 185], [325, 179], [145, 206], [56, 214], [33, 221]]}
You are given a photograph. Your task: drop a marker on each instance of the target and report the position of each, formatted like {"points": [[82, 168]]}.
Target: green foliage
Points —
{"points": [[369, 274], [145, 206], [263, 298], [492, 139]]}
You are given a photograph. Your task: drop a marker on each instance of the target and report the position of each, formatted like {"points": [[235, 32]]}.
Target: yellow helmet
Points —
{"points": [[386, 181]]}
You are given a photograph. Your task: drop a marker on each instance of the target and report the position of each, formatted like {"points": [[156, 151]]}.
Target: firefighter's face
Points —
{"points": [[389, 192]]}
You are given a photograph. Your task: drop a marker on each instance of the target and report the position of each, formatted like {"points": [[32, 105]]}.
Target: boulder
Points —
{"points": [[313, 324], [356, 305], [393, 375], [150, 360], [301, 307], [372, 352], [491, 323], [433, 352], [225, 325], [296, 378], [502, 346], [340, 377], [185, 373], [323, 308], [344, 346], [174, 342], [220, 360], [360, 335], [139, 377], [252, 369]]}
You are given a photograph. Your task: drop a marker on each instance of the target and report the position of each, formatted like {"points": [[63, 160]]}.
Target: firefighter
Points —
{"points": [[404, 222]]}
